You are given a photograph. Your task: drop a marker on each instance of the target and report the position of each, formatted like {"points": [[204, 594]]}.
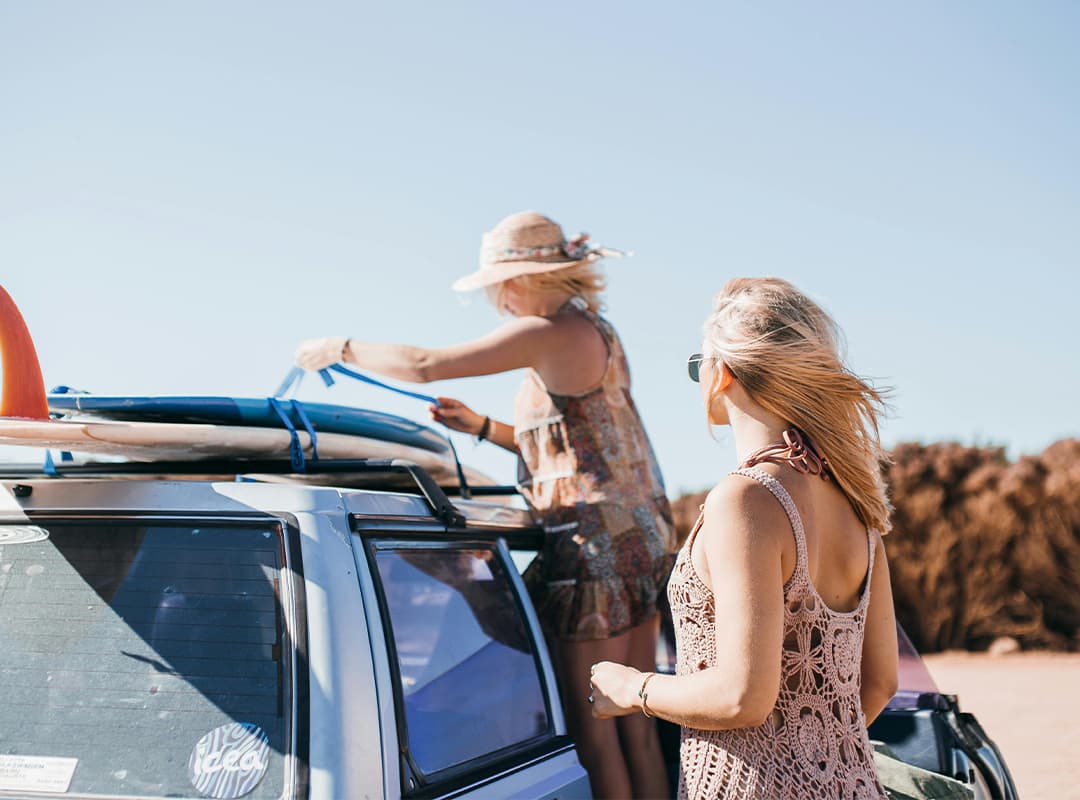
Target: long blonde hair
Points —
{"points": [[786, 352], [584, 281]]}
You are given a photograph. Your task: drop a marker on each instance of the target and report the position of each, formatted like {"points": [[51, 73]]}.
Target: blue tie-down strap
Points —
{"points": [[296, 449], [292, 381], [341, 369], [296, 376], [49, 465], [303, 417]]}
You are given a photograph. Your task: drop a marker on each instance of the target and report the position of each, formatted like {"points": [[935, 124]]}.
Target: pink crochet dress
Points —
{"points": [[814, 745]]}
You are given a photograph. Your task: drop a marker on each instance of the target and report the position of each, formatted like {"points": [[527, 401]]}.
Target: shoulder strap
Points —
{"points": [[695, 527], [871, 544], [781, 494]]}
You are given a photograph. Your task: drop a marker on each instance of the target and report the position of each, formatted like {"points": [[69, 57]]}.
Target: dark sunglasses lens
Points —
{"points": [[693, 366]]}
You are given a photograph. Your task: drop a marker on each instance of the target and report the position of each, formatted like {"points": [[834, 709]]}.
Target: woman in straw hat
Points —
{"points": [[785, 634], [586, 465]]}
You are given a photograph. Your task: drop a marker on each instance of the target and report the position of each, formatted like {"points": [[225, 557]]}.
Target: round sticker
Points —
{"points": [[229, 761], [22, 534]]}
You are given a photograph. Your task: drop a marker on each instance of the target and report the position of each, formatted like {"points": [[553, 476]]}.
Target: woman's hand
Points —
{"points": [[316, 354], [456, 416], [614, 690]]}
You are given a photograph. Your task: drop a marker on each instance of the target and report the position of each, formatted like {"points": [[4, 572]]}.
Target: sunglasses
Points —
{"points": [[693, 366]]}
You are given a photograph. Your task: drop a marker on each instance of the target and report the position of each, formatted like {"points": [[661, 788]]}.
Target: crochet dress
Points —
{"points": [[587, 467], [814, 745]]}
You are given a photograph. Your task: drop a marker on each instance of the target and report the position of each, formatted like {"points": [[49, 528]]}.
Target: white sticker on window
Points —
{"points": [[229, 761], [36, 773]]}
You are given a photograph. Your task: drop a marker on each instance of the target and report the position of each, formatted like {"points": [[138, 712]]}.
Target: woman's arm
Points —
{"points": [[522, 342], [880, 659], [459, 417], [741, 540]]}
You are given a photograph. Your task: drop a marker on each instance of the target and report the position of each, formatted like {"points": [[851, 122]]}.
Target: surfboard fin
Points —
{"points": [[23, 393]]}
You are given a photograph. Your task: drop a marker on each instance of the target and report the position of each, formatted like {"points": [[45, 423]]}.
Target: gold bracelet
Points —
{"points": [[644, 695]]}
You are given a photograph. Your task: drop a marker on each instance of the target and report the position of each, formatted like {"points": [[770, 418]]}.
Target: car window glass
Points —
{"points": [[145, 660], [468, 672]]}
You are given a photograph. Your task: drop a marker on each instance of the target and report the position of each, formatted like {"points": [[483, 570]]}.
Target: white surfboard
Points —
{"points": [[166, 441]]}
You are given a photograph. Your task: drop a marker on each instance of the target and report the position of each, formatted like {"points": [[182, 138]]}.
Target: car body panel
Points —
{"points": [[352, 747]]}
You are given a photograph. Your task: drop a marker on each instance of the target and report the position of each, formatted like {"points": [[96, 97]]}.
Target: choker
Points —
{"points": [[797, 451]]}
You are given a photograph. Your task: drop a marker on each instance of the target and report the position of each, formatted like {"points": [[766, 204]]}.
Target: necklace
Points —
{"points": [[797, 451]]}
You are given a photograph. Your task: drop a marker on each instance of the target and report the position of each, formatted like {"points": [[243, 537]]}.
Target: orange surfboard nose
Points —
{"points": [[23, 393]]}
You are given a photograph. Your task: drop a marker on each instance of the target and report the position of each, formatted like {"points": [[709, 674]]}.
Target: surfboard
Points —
{"points": [[192, 429], [252, 412], [180, 441]]}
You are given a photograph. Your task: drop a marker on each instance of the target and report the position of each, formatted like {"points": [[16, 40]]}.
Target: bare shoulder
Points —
{"points": [[527, 324], [740, 508], [562, 326], [744, 529], [739, 495]]}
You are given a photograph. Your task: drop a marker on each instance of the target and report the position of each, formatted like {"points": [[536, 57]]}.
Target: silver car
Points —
{"points": [[194, 638]]}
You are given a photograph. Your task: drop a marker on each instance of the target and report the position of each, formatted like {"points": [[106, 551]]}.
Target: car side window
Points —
{"points": [[470, 684]]}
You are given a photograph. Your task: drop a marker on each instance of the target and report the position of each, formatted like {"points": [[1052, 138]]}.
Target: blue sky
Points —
{"points": [[188, 189]]}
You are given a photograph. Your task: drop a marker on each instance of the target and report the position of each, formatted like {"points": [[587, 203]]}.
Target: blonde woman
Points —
{"points": [[586, 466], [785, 635]]}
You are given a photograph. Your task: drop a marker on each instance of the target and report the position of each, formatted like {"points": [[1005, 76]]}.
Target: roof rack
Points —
{"points": [[429, 489]]}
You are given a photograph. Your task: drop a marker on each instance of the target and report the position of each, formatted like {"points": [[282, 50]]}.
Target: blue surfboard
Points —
{"points": [[255, 412]]}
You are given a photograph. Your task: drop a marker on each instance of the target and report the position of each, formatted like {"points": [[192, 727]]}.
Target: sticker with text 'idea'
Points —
{"points": [[229, 761]]}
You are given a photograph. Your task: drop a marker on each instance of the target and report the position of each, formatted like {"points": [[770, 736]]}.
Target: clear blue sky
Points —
{"points": [[188, 189]]}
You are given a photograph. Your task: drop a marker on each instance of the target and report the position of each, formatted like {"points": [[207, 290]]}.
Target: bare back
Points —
{"points": [[577, 358], [836, 548]]}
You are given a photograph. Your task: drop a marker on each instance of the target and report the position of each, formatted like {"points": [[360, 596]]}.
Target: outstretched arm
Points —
{"points": [[522, 342]]}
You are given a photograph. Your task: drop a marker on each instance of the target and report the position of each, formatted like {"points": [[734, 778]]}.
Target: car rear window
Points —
{"points": [[145, 659]]}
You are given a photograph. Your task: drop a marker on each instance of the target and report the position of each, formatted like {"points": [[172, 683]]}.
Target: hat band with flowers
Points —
{"points": [[575, 248], [529, 243]]}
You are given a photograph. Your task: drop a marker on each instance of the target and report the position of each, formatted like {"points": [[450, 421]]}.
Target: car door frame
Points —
{"points": [[545, 768]]}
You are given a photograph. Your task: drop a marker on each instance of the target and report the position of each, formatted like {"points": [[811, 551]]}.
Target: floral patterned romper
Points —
{"points": [[588, 468]]}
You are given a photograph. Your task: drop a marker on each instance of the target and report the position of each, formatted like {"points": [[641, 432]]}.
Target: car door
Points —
{"points": [[475, 709]]}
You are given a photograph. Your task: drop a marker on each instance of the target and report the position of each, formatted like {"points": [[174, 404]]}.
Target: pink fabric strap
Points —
{"points": [[797, 451]]}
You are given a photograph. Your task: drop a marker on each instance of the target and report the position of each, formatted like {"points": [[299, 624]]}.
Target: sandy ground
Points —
{"points": [[1029, 703]]}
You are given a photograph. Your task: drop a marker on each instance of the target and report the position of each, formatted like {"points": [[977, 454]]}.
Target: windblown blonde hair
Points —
{"points": [[585, 281], [787, 353]]}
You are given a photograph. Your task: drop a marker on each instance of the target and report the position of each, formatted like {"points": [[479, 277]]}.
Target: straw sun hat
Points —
{"points": [[527, 243]]}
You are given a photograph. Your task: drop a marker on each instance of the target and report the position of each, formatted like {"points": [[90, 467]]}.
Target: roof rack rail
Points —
{"points": [[444, 510]]}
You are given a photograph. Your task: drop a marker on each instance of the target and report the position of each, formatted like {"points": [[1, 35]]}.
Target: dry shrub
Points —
{"points": [[981, 547]]}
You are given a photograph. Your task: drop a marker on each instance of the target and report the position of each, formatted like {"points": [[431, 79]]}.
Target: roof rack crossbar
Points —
{"points": [[444, 510]]}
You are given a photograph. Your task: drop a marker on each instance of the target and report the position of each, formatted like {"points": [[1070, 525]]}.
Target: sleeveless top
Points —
{"points": [[585, 448], [587, 467], [814, 745]]}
